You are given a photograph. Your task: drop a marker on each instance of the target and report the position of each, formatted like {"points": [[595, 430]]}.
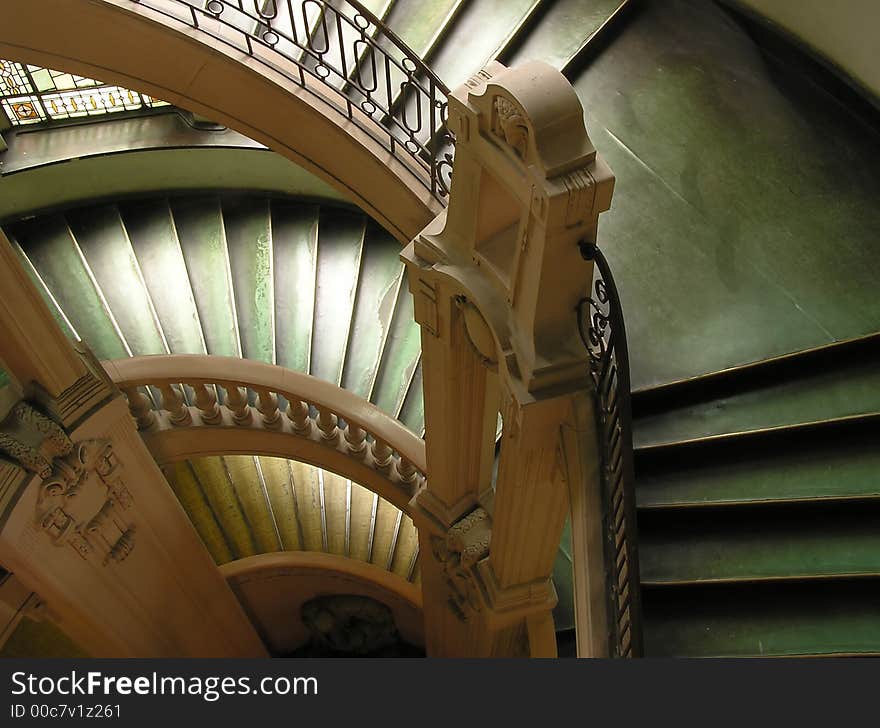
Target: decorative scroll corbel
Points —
{"points": [[33, 440], [465, 543]]}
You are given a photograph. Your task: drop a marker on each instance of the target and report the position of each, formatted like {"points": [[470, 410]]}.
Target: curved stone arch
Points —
{"points": [[269, 585], [189, 68]]}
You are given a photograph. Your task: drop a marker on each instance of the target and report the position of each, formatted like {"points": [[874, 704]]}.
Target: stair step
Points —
{"points": [[153, 237], [307, 489], [361, 520], [478, 33], [412, 409], [377, 293], [763, 620], [837, 460], [834, 382], [51, 249], [186, 486], [340, 246], [279, 490], [400, 356], [199, 223], [249, 241], [221, 495], [295, 243], [763, 543], [560, 32], [475, 36], [417, 22], [248, 483], [104, 242]]}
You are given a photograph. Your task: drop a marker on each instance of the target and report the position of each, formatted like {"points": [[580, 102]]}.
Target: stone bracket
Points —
{"points": [[464, 544]]}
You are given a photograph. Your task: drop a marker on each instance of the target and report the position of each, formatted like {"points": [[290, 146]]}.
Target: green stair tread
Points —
{"points": [[57, 313], [189, 492], [477, 34], [200, 228], [49, 246], [249, 241], [294, 240], [416, 21], [279, 487], [104, 242], [850, 388], [837, 467], [563, 580], [254, 501], [762, 620], [340, 239], [720, 242], [376, 296], [770, 542], [400, 357], [154, 238], [223, 499], [560, 32], [412, 412]]}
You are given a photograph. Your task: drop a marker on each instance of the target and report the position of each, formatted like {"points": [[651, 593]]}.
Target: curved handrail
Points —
{"points": [[266, 397], [601, 326], [362, 66]]}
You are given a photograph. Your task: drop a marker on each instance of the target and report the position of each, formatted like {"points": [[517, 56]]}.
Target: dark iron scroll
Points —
{"points": [[601, 326]]}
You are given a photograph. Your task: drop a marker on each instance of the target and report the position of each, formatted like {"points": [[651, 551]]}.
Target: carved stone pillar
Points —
{"points": [[496, 281], [87, 520]]}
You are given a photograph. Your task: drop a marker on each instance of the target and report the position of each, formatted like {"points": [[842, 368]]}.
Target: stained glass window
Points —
{"points": [[33, 95]]}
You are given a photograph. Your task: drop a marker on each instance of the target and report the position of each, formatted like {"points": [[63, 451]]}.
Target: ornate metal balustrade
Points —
{"points": [[345, 56], [601, 325], [211, 393]]}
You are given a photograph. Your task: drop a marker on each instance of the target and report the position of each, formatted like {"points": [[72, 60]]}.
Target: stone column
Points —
{"points": [[497, 279]]}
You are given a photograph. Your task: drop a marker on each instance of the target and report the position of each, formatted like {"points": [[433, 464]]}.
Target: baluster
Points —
{"points": [[139, 406], [267, 405], [236, 400], [206, 401], [172, 402], [382, 454], [406, 470], [298, 414], [356, 437], [327, 425]]}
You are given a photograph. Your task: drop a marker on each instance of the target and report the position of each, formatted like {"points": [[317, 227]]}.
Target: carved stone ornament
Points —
{"points": [[466, 542], [82, 500], [83, 503], [509, 124], [33, 440]]}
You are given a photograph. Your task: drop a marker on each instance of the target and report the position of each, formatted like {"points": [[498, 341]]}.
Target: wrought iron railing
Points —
{"points": [[341, 53], [601, 326]]}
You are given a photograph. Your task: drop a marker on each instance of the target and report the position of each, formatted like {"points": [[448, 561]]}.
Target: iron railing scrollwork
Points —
{"points": [[601, 326], [361, 67]]}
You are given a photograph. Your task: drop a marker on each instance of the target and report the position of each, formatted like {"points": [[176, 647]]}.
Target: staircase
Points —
{"points": [[312, 288], [757, 486], [758, 494]]}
